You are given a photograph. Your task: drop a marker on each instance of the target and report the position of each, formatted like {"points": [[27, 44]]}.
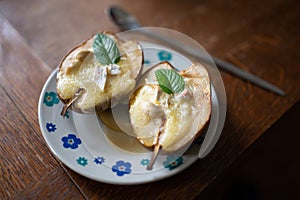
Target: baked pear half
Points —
{"points": [[171, 121], [85, 84]]}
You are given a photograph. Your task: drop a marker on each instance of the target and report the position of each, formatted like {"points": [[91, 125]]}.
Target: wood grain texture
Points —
{"points": [[28, 170], [53, 185], [26, 163], [258, 36], [22, 72]]}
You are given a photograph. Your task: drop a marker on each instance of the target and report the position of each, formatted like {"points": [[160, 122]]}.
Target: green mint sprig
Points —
{"points": [[169, 81], [105, 49]]}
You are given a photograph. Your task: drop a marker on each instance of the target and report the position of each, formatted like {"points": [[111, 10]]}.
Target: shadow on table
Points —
{"points": [[269, 169]]}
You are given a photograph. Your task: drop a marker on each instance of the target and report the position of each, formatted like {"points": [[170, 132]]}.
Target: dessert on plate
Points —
{"points": [[169, 115], [167, 108], [101, 68]]}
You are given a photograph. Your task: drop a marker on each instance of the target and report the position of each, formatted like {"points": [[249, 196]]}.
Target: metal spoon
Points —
{"points": [[127, 21]]}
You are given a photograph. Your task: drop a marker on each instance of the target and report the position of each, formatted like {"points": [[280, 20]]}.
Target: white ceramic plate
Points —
{"points": [[80, 143]]}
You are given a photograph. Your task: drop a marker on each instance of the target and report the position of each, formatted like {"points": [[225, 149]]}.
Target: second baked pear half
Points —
{"points": [[102, 68], [170, 120]]}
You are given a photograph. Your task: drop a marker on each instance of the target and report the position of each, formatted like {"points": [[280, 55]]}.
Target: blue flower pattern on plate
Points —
{"points": [[172, 162], [50, 99], [50, 127], [82, 161], [71, 141], [67, 114], [146, 62], [99, 160], [145, 162], [164, 56], [121, 168]]}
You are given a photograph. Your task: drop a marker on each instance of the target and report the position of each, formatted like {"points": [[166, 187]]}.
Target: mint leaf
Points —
{"points": [[105, 49], [169, 81]]}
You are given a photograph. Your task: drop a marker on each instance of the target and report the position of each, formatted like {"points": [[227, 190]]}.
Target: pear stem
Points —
{"points": [[154, 156], [156, 147], [71, 101]]}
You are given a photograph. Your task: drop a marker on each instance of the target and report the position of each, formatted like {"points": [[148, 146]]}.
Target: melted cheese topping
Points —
{"points": [[184, 114], [73, 77], [181, 114]]}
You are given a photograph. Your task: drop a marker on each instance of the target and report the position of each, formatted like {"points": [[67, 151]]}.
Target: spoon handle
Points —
{"points": [[226, 66], [126, 21]]}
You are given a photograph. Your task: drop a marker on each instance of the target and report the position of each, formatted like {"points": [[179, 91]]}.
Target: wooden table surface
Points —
{"points": [[261, 37]]}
